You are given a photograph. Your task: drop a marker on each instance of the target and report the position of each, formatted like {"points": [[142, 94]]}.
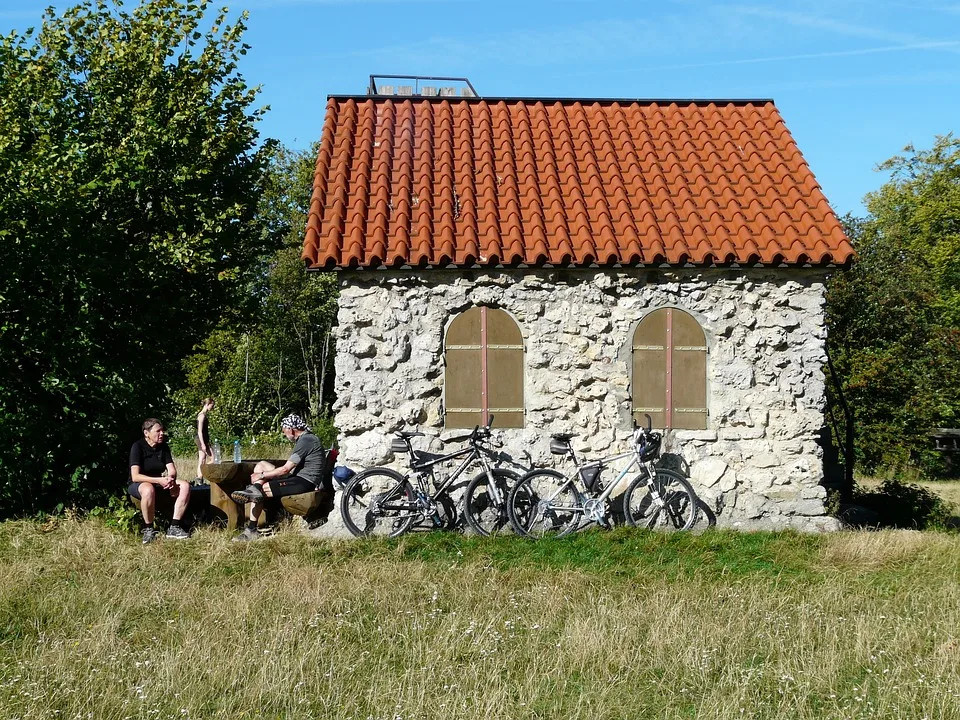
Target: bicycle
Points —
{"points": [[545, 502], [381, 501]]}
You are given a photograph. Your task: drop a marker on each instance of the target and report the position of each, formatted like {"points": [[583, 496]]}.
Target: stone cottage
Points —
{"points": [[574, 265]]}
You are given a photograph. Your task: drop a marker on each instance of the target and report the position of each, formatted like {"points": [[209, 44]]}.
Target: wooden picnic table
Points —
{"points": [[226, 477]]}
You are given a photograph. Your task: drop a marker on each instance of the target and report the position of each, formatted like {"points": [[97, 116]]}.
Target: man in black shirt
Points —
{"points": [[150, 458]]}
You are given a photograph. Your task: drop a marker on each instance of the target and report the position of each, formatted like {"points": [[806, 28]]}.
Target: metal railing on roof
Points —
{"points": [[416, 86]]}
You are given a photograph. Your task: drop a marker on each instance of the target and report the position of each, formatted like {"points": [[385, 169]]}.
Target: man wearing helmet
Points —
{"points": [[302, 473]]}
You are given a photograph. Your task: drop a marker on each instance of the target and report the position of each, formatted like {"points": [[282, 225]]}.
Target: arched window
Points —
{"points": [[483, 353], [670, 371]]}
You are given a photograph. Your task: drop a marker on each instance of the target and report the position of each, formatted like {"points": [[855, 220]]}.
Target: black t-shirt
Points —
{"points": [[152, 460]]}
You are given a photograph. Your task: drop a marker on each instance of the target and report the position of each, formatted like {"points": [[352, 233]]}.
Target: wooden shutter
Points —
{"points": [[484, 370], [670, 371]]}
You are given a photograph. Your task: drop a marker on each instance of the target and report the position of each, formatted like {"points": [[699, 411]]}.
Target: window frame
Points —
{"points": [[484, 347], [669, 410]]}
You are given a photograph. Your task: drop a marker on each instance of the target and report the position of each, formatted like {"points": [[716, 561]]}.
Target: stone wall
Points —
{"points": [[757, 466]]}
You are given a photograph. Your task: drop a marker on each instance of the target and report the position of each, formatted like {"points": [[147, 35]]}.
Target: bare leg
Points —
{"points": [[262, 466], [201, 459], [256, 508], [148, 501], [182, 493]]}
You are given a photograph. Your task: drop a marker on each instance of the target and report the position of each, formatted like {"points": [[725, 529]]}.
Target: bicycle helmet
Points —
{"points": [[648, 445]]}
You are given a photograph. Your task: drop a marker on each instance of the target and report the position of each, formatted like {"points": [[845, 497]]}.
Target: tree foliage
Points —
{"points": [[129, 178], [893, 316], [278, 358]]}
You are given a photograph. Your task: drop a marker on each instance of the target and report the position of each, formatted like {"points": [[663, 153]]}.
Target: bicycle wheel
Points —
{"points": [[378, 501], [483, 513], [543, 503], [667, 502]]}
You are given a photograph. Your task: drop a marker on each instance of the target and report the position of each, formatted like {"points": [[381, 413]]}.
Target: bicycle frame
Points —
{"points": [[421, 469], [608, 490]]}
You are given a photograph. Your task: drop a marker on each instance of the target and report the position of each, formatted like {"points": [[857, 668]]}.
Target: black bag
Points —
{"points": [[590, 475]]}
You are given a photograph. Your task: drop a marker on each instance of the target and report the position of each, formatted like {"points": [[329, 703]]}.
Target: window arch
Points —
{"points": [[483, 355], [670, 371]]}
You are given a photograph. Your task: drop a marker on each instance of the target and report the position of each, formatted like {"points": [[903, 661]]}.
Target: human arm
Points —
{"points": [[268, 475], [138, 477]]}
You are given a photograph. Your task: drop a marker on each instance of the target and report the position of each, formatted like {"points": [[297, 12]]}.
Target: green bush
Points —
{"points": [[118, 514]]}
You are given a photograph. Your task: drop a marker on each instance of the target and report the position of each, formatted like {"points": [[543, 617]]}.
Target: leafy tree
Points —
{"points": [[278, 357], [129, 178], [893, 316]]}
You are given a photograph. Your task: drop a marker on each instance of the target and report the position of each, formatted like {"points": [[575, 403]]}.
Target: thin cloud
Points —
{"points": [[812, 56], [841, 28]]}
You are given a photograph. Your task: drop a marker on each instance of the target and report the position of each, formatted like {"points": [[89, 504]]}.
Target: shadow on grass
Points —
{"points": [[895, 504]]}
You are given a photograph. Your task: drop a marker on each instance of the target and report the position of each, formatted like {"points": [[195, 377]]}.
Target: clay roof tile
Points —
{"points": [[630, 182]]}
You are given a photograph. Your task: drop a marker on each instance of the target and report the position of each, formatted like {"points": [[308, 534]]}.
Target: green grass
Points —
{"points": [[601, 625]]}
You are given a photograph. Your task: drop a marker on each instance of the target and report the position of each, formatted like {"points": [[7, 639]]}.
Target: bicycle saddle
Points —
{"points": [[411, 434], [563, 437]]}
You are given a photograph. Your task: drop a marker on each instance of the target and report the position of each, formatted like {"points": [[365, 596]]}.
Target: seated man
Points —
{"points": [[150, 458], [303, 472]]}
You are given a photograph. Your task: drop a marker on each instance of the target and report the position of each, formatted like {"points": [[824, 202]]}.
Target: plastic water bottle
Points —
{"points": [[236, 451], [216, 451]]}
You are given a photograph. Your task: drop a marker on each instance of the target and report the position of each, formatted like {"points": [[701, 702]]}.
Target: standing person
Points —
{"points": [[150, 458], [303, 472], [204, 449]]}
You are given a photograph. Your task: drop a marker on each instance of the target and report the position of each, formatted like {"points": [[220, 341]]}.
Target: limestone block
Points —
{"points": [[751, 505], [603, 281], [761, 483], [708, 472], [765, 460], [817, 492], [365, 450], [819, 524], [783, 493], [742, 432], [728, 482], [803, 507], [736, 374]]}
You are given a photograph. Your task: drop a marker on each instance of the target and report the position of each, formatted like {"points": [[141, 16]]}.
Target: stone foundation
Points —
{"points": [[757, 465]]}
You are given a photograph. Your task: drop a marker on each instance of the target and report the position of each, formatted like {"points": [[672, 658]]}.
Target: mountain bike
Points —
{"points": [[545, 502], [382, 501]]}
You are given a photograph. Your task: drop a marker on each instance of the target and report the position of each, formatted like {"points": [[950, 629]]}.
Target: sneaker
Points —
{"points": [[149, 535], [252, 493], [247, 535], [175, 532]]}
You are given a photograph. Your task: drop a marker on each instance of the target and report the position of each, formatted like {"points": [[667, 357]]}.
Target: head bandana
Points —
{"points": [[294, 422]]}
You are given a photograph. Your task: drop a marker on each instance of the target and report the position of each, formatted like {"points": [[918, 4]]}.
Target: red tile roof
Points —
{"points": [[480, 182]]}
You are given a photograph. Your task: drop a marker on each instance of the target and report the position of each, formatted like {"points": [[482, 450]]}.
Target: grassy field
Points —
{"points": [[602, 625]]}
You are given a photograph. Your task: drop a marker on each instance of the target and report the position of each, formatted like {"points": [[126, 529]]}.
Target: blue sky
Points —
{"points": [[855, 80]]}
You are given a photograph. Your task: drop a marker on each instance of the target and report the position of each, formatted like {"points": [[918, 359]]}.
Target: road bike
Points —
{"points": [[382, 501], [545, 502]]}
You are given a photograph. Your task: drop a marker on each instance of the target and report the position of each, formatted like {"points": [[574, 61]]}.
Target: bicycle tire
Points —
{"points": [[359, 503], [676, 511], [545, 503], [479, 509]]}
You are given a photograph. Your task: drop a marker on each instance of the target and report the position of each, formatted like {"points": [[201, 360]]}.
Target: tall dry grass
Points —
{"points": [[602, 625]]}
